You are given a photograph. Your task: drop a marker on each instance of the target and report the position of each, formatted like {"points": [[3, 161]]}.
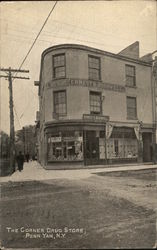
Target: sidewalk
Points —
{"points": [[34, 171]]}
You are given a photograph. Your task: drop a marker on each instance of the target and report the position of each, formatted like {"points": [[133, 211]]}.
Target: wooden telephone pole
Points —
{"points": [[9, 77]]}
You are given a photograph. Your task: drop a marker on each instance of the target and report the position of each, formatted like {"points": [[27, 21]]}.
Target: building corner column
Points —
{"points": [[140, 148], [140, 152]]}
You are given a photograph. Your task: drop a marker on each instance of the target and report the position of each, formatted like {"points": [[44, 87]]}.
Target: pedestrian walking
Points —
{"points": [[20, 161], [27, 157]]}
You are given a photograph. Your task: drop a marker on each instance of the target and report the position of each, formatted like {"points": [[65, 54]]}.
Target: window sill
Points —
{"points": [[132, 87], [132, 118], [58, 78], [58, 116], [97, 80]]}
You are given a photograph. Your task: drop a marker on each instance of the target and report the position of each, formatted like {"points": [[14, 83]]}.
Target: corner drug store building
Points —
{"points": [[95, 106]]}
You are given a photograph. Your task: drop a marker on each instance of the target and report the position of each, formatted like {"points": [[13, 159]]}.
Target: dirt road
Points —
{"points": [[106, 210]]}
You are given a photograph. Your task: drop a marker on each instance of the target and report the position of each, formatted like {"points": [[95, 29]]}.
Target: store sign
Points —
{"points": [[86, 83], [80, 139], [95, 118], [54, 139]]}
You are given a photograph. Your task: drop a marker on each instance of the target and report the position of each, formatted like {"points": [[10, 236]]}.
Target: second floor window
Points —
{"points": [[131, 108], [94, 67], [130, 75], [60, 102], [59, 66], [95, 103]]}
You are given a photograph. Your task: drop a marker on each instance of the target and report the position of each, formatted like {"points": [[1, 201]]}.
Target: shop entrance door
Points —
{"points": [[147, 147], [92, 148]]}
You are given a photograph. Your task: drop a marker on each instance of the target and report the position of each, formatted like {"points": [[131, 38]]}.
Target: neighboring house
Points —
{"points": [[95, 106]]}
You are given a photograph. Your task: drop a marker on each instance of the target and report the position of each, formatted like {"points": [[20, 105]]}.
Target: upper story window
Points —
{"points": [[131, 108], [94, 67], [130, 75], [95, 103], [59, 66], [60, 102]]}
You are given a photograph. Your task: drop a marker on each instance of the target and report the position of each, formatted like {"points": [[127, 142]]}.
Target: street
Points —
{"points": [[91, 209]]}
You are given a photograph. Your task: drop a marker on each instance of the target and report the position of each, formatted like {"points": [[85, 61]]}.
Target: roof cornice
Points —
{"points": [[94, 50]]}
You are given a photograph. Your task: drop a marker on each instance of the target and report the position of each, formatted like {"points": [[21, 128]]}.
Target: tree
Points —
{"points": [[4, 145]]}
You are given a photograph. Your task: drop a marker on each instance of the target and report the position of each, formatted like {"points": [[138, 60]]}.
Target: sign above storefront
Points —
{"points": [[54, 139], [95, 118]]}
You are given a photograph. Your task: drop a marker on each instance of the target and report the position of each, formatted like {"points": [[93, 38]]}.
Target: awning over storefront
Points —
{"points": [[138, 129]]}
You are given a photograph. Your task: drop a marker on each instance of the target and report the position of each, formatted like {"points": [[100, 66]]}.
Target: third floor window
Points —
{"points": [[130, 75], [59, 66], [94, 67]]}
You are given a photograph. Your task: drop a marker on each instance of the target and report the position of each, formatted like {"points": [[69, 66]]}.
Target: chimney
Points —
{"points": [[131, 51]]}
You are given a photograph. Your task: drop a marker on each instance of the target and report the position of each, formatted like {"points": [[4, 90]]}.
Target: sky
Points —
{"points": [[106, 25]]}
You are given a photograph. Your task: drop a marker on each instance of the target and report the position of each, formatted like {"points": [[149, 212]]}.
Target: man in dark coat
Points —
{"points": [[20, 161], [27, 157]]}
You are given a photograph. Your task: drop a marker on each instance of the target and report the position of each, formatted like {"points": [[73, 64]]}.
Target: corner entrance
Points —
{"points": [[91, 148], [147, 147]]}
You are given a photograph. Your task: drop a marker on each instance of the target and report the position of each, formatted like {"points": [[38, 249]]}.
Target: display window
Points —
{"points": [[122, 148], [101, 148], [122, 144], [66, 146]]}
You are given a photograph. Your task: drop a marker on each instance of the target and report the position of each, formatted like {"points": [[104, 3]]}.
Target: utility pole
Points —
{"points": [[9, 77]]}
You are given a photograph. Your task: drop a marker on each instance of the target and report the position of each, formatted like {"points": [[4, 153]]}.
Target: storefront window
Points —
{"points": [[101, 148], [66, 147], [122, 144], [116, 148]]}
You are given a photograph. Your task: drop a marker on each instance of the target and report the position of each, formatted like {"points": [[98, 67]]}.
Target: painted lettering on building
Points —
{"points": [[85, 83]]}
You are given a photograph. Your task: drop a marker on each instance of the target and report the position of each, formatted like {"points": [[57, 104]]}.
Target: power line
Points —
{"points": [[72, 25], [50, 34], [37, 36], [17, 117], [61, 37], [30, 50]]}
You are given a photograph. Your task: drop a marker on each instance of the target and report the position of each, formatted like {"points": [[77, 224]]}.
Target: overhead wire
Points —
{"points": [[50, 34], [34, 44], [61, 37], [45, 33], [72, 25], [17, 116], [38, 35]]}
